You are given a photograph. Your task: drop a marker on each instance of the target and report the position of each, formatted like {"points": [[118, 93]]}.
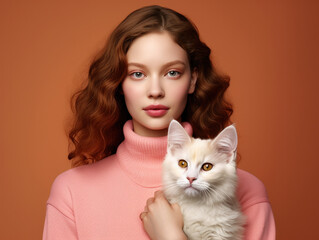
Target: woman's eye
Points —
{"points": [[137, 75], [182, 163], [207, 166], [173, 74]]}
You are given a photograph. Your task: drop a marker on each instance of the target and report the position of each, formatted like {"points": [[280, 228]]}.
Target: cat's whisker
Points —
{"points": [[171, 186], [207, 193], [220, 193]]}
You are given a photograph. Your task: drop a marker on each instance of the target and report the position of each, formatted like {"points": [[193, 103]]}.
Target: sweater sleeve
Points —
{"points": [[58, 226], [59, 219], [260, 223]]}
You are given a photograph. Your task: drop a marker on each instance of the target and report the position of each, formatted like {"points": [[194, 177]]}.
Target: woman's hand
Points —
{"points": [[162, 220]]}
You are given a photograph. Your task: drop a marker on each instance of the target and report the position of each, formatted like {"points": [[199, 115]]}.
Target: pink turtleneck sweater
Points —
{"points": [[104, 200]]}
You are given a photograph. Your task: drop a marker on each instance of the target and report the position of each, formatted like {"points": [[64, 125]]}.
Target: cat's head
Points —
{"points": [[196, 168]]}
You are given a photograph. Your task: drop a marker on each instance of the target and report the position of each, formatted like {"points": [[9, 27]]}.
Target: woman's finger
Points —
{"points": [[175, 206], [149, 201], [158, 194], [143, 215]]}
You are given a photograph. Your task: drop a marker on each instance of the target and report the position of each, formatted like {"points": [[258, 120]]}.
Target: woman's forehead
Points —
{"points": [[156, 47]]}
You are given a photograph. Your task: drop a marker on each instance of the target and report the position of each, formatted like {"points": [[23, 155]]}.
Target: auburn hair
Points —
{"points": [[99, 109]]}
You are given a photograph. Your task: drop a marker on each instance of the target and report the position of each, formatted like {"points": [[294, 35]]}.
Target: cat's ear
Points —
{"points": [[177, 136], [226, 141]]}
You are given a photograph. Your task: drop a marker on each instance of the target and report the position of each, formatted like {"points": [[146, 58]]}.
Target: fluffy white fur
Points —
{"points": [[208, 202]]}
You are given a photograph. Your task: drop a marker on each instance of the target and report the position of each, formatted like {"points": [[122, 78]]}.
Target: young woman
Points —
{"points": [[153, 69]]}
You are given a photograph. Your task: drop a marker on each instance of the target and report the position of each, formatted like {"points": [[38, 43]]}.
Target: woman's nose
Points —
{"points": [[155, 89]]}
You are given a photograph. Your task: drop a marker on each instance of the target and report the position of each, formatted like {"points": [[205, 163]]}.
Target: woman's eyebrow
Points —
{"points": [[164, 66], [136, 64], [174, 63]]}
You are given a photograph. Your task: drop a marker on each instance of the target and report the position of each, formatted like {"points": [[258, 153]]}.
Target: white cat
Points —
{"points": [[200, 175]]}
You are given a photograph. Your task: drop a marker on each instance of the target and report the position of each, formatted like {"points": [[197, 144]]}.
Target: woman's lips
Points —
{"points": [[156, 110]]}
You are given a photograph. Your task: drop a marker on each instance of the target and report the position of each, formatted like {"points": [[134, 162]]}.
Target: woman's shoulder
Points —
{"points": [[250, 189], [86, 172]]}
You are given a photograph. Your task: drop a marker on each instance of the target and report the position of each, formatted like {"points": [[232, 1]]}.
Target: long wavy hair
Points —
{"points": [[100, 110]]}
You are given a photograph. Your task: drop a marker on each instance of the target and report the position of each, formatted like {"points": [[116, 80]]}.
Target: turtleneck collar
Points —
{"points": [[141, 157]]}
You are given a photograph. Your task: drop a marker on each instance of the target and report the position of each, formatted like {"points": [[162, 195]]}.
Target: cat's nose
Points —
{"points": [[191, 179]]}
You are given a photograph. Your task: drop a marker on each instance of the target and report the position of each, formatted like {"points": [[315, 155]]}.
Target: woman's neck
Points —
{"points": [[141, 157]]}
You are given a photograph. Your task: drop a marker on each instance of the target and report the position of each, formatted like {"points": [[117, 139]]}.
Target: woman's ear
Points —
{"points": [[193, 81]]}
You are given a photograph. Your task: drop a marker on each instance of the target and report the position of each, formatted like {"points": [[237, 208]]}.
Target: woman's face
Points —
{"points": [[158, 82]]}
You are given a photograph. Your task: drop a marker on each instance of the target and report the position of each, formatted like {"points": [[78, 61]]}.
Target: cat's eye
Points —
{"points": [[182, 163], [207, 166]]}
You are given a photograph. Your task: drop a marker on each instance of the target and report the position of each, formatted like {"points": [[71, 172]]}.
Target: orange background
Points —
{"points": [[269, 48]]}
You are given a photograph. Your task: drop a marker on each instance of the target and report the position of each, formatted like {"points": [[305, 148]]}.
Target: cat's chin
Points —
{"points": [[192, 192]]}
